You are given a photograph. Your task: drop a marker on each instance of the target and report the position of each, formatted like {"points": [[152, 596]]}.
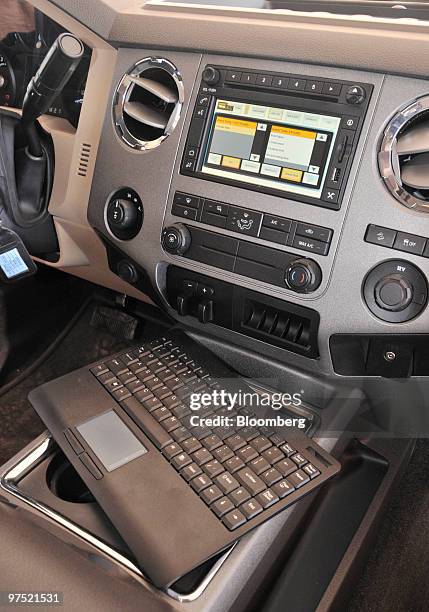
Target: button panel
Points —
{"points": [[279, 230], [401, 241]]}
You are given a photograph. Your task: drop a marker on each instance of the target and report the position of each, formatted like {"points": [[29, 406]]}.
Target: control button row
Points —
{"points": [[408, 243], [300, 235]]}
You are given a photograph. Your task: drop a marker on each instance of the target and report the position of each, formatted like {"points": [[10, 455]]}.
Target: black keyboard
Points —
{"points": [[243, 474]]}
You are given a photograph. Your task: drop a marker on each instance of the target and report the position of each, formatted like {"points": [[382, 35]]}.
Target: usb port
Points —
{"points": [[336, 175]]}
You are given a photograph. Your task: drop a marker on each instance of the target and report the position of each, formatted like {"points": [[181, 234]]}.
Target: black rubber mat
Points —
{"points": [[19, 424], [395, 578]]}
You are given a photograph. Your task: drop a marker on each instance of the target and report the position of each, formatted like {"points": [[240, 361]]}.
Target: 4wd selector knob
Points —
{"points": [[176, 239], [394, 292], [124, 213], [303, 275]]}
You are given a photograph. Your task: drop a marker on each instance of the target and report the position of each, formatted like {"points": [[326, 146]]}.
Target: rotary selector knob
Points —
{"points": [[303, 275], [355, 95], [124, 214], [211, 75], [395, 291], [176, 239]]}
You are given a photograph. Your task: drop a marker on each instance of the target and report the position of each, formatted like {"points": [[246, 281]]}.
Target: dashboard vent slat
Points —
{"points": [[148, 103], [415, 140], [415, 173]]}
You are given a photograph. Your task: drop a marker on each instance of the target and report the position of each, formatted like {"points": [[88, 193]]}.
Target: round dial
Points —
{"points": [[395, 291], [176, 239], [303, 275], [124, 214]]}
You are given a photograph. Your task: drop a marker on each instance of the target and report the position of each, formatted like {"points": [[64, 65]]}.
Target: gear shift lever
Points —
{"points": [[48, 82]]}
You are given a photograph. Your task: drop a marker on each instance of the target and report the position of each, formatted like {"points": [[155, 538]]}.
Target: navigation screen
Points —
{"points": [[270, 146]]}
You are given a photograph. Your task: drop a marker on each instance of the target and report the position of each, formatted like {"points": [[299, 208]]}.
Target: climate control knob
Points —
{"points": [[124, 214], [176, 239], [303, 275]]}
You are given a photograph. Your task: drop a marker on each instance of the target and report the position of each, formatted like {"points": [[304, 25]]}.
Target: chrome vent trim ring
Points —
{"points": [[165, 122], [388, 157]]}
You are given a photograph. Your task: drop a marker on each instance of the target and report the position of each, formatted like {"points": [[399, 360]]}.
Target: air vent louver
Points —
{"points": [[147, 103], [404, 155]]}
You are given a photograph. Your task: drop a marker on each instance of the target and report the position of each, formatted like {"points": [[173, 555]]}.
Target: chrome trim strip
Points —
{"points": [[388, 158], [9, 483], [123, 92]]}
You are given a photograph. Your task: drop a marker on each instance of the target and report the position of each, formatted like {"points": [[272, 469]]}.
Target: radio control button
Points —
{"points": [[200, 112], [315, 232], [185, 199], [264, 80], [330, 195], [297, 84], [218, 208], [233, 76], [191, 152], [355, 95], [211, 75], [203, 100], [278, 223], [248, 78], [332, 89], [314, 86], [313, 246], [188, 165], [349, 122], [280, 82]]}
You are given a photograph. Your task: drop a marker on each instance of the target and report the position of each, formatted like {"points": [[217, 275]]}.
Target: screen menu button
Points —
{"points": [[244, 221]]}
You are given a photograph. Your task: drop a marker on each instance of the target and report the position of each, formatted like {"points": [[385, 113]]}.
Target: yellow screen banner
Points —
{"points": [[287, 131], [239, 126]]}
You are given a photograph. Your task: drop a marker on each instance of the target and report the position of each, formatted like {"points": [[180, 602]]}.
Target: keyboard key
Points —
{"points": [[162, 392], [202, 456], [134, 386], [201, 482], [116, 366], [213, 468], [211, 494], [234, 519], [171, 423], [191, 445], [148, 424], [251, 508], [143, 394], [251, 481], [190, 471], [223, 453], [171, 402], [259, 465], [99, 369], [248, 433], [277, 439], [247, 453], [161, 413], [285, 467], [283, 488], [271, 476], [151, 404], [235, 442], [136, 367], [113, 384], [153, 383], [212, 442], [180, 411], [201, 431], [311, 470], [121, 394], [180, 434], [226, 483], [239, 496], [128, 377], [128, 358], [299, 460], [234, 464], [260, 443], [267, 498], [222, 506], [181, 461], [298, 479], [171, 450], [287, 449], [272, 455]]}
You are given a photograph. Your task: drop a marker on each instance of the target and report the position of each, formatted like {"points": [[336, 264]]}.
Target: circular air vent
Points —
{"points": [[147, 103], [404, 155]]}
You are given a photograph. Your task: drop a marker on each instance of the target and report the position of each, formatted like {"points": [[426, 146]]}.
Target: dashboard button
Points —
{"points": [[211, 75], [273, 235], [330, 195], [314, 231], [409, 243], [205, 291], [314, 86], [332, 89], [297, 84], [244, 221], [218, 208], [184, 211], [264, 80], [203, 100], [380, 235], [189, 165], [349, 122], [232, 76], [191, 152], [278, 223], [313, 246], [212, 219], [248, 78], [280, 82], [185, 199], [355, 94], [200, 112]]}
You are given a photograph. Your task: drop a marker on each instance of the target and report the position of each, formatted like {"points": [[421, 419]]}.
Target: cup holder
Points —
{"points": [[65, 483]]}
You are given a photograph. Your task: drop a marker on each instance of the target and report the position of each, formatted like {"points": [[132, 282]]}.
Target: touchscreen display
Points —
{"points": [[271, 147]]}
